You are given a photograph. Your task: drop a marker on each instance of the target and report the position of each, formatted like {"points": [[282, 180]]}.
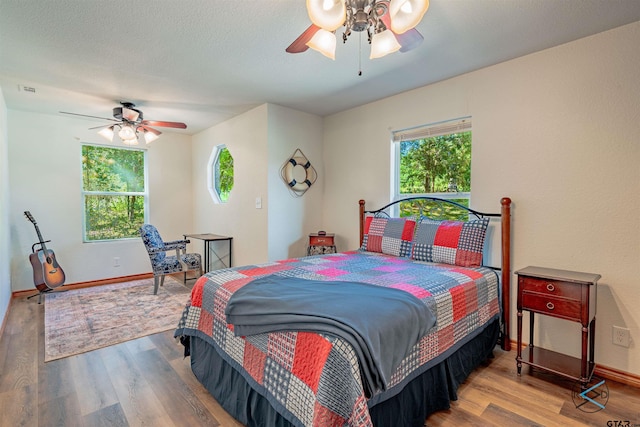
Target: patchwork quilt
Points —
{"points": [[313, 379]]}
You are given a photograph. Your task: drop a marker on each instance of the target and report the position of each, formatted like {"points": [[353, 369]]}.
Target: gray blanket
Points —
{"points": [[382, 324]]}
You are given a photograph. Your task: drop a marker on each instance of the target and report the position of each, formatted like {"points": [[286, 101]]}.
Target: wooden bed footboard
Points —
{"points": [[436, 208]]}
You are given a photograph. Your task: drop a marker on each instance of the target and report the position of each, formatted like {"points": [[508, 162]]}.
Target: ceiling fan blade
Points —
{"points": [[299, 45], [176, 125], [129, 114], [100, 127], [93, 117], [409, 39]]}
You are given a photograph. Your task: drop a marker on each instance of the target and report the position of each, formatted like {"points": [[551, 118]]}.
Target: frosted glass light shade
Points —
{"points": [[327, 14], [324, 42], [383, 43], [107, 133], [127, 132], [406, 14], [130, 141], [150, 135]]}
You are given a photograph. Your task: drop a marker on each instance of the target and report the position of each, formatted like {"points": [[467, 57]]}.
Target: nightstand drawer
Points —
{"points": [[321, 240], [551, 287], [565, 308]]}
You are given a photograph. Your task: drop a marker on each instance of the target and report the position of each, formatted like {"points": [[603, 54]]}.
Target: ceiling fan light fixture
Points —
{"points": [[150, 135], [128, 135], [358, 16], [406, 14], [383, 43], [127, 132], [107, 133], [132, 141], [327, 14], [324, 42]]}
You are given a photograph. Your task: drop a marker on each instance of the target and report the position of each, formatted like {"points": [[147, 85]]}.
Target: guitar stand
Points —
{"points": [[33, 247], [39, 295]]}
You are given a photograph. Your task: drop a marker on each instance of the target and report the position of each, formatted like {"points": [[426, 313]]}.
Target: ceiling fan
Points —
{"points": [[129, 123], [374, 16]]}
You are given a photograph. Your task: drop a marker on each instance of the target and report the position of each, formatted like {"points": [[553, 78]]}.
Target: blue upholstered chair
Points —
{"points": [[163, 264]]}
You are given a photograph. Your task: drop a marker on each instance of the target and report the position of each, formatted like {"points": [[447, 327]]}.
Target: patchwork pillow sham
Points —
{"points": [[450, 242], [391, 236]]}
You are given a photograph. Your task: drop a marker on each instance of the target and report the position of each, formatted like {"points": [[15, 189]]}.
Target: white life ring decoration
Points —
{"points": [[298, 174]]}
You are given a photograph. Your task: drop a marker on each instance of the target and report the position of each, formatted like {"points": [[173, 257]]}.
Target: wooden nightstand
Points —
{"points": [[321, 244], [566, 295]]}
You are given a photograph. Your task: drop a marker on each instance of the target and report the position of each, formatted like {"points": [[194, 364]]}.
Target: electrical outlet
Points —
{"points": [[621, 336], [116, 261]]}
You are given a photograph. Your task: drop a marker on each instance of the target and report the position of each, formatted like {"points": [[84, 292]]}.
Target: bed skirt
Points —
{"points": [[430, 392]]}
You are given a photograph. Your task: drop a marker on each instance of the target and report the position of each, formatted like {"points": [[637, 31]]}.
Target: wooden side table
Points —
{"points": [[568, 295], [320, 243]]}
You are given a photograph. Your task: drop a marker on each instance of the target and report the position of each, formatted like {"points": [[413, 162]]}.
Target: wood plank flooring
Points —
{"points": [[147, 382]]}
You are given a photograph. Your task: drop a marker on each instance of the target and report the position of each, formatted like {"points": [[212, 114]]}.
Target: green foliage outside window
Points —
{"points": [[224, 174], [114, 192], [437, 210], [438, 164]]}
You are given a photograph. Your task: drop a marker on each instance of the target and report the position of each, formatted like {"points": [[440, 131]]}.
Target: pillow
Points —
{"points": [[391, 236], [450, 242]]}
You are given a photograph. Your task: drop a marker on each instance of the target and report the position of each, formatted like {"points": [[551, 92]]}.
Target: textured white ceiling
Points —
{"points": [[204, 61]]}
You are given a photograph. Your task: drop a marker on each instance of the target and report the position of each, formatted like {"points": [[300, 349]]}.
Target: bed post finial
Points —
{"points": [[505, 221], [361, 202]]}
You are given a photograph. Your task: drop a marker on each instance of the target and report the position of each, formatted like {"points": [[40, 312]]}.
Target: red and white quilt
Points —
{"points": [[314, 379]]}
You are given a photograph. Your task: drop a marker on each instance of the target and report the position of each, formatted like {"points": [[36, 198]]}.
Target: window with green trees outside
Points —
{"points": [[220, 173], [434, 161], [114, 192]]}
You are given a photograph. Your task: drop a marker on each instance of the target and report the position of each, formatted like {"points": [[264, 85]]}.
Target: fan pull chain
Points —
{"points": [[360, 53]]}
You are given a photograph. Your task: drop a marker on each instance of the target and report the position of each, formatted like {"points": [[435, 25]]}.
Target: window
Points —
{"points": [[114, 192], [220, 173], [433, 160]]}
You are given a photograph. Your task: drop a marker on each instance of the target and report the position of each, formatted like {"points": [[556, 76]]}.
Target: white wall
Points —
{"points": [[45, 179], [5, 274], [557, 131], [292, 218], [246, 139], [260, 141]]}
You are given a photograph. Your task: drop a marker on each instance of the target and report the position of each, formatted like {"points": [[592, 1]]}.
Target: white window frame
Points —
{"points": [[462, 124], [211, 172], [144, 194]]}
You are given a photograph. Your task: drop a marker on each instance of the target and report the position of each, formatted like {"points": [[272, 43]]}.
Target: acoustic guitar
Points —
{"points": [[47, 273]]}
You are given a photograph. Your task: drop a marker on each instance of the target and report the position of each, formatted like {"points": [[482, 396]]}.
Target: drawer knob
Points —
{"points": [[550, 287], [550, 306]]}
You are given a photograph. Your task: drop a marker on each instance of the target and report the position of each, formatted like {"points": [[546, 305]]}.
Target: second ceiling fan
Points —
{"points": [[129, 124]]}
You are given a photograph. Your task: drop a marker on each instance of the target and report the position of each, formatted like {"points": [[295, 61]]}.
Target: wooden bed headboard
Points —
{"points": [[436, 208]]}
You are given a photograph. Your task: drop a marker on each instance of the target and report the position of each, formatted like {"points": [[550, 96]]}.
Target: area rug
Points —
{"points": [[81, 320]]}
